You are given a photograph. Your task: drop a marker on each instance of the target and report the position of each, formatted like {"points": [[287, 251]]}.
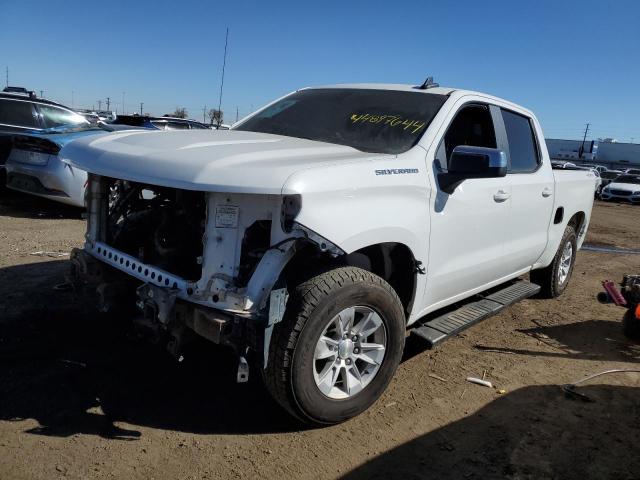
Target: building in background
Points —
{"points": [[608, 152]]}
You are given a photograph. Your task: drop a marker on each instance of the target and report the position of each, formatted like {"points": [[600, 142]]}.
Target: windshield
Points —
{"points": [[633, 179], [380, 121]]}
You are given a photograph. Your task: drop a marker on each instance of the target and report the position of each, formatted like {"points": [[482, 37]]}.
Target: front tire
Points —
{"points": [[554, 279], [337, 347]]}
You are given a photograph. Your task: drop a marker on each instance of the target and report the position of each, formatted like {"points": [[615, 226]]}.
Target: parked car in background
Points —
{"points": [[22, 112], [561, 164], [159, 123], [34, 167], [598, 168], [607, 177], [106, 116], [624, 188], [632, 171], [91, 117]]}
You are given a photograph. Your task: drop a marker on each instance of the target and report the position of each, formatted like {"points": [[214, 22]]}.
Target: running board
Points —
{"points": [[440, 328]]}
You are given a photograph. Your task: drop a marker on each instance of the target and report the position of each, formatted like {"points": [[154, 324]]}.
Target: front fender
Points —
{"points": [[353, 206]]}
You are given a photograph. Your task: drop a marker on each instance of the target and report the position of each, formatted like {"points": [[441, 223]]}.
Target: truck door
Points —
{"points": [[468, 227], [532, 188]]}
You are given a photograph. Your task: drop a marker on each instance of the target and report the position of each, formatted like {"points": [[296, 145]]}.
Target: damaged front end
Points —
{"points": [[203, 263]]}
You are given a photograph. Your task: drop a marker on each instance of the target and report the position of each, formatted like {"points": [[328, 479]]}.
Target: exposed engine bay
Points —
{"points": [[191, 261], [159, 226]]}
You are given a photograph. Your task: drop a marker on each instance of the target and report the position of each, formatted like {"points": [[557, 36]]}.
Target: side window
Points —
{"points": [[17, 113], [523, 149], [58, 117], [471, 126]]}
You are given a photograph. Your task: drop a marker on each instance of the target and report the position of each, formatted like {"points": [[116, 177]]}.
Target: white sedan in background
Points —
{"points": [[623, 188]]}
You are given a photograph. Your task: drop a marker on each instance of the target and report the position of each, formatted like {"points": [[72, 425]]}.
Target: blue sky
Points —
{"points": [[571, 62]]}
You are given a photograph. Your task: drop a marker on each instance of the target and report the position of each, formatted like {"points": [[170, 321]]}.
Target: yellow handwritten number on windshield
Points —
{"points": [[391, 120]]}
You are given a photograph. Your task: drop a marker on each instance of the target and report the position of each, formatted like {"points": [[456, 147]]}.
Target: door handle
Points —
{"points": [[501, 196], [547, 192]]}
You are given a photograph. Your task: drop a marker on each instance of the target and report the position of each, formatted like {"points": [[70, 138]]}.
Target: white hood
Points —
{"points": [[205, 160], [625, 187]]}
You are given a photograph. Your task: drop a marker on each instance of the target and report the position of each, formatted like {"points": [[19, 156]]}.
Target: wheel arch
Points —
{"points": [[392, 261], [577, 221]]}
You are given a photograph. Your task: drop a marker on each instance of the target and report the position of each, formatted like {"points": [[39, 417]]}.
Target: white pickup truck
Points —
{"points": [[311, 235]]}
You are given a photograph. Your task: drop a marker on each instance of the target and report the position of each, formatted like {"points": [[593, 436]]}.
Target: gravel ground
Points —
{"points": [[81, 398]]}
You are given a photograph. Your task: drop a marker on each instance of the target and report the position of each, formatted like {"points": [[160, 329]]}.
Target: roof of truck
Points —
{"points": [[415, 88], [390, 86]]}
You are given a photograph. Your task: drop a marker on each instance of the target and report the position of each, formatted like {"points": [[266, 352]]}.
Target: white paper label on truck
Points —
{"points": [[226, 216]]}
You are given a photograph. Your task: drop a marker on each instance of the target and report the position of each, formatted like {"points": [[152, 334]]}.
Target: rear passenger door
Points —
{"points": [[532, 188]]}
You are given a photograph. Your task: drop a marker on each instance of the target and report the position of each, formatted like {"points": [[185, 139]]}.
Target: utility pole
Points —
{"points": [[41, 93], [141, 104], [224, 64], [72, 100], [204, 114], [586, 130], [7, 77], [99, 105], [236, 113], [108, 103], [123, 103]]}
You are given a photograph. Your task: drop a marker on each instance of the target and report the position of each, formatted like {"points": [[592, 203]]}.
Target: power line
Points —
{"points": [[586, 130], [224, 64]]}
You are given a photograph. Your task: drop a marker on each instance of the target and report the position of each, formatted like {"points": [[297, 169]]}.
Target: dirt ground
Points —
{"points": [[81, 398]]}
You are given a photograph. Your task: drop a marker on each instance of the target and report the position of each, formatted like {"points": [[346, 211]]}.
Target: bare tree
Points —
{"points": [[215, 116], [179, 112]]}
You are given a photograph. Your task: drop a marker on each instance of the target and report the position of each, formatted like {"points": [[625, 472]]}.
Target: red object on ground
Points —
{"points": [[614, 293]]}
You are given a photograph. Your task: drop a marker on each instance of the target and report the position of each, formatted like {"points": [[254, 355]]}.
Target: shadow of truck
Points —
{"points": [[77, 373], [531, 433]]}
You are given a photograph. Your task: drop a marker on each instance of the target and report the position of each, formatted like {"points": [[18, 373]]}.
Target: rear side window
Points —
{"points": [[57, 117], [17, 113], [523, 150], [472, 126]]}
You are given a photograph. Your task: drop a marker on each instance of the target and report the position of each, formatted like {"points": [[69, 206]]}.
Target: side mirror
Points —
{"points": [[472, 162]]}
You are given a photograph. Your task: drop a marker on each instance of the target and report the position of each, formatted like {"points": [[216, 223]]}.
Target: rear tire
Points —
{"points": [[554, 279], [357, 361]]}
